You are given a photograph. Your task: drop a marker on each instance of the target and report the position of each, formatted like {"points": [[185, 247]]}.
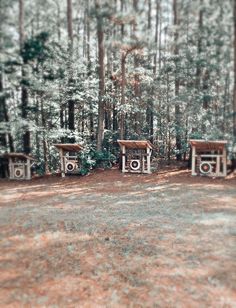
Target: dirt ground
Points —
{"points": [[114, 240]]}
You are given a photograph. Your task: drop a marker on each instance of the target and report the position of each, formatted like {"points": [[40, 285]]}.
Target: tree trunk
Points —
{"points": [[114, 117], [177, 106], [88, 36], [69, 21], [25, 100], [122, 116], [37, 134], [200, 24], [156, 37], [85, 33], [24, 91], [45, 143], [168, 133], [101, 73], [123, 56], [21, 23], [71, 115], [71, 103], [62, 122], [136, 78], [5, 138], [149, 111], [122, 29], [160, 35], [108, 104], [58, 21], [234, 98], [91, 116]]}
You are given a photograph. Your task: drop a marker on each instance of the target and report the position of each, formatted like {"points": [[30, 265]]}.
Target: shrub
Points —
{"points": [[91, 158]]}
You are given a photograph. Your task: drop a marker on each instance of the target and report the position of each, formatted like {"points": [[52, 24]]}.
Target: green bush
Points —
{"points": [[104, 159], [90, 159], [86, 162]]}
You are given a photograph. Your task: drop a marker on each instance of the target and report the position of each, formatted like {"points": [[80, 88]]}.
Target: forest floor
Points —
{"points": [[115, 240]]}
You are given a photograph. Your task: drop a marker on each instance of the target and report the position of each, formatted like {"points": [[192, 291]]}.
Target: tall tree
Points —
{"points": [[6, 140], [199, 45], [150, 105], [71, 102], [125, 51], [234, 97], [21, 23], [177, 106], [24, 90], [101, 75]]}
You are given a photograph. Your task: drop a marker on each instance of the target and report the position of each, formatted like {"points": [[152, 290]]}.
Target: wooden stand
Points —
{"points": [[69, 158], [19, 166], [136, 156], [209, 158]]}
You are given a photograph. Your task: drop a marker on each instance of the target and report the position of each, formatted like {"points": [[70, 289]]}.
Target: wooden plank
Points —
{"points": [[69, 147], [18, 155], [208, 144], [194, 161], [10, 168], [62, 163], [123, 158], [28, 171], [135, 144], [148, 161], [218, 166], [211, 155], [224, 160]]}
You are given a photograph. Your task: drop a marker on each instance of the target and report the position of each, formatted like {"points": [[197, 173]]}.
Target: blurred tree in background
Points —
{"points": [[90, 71]]}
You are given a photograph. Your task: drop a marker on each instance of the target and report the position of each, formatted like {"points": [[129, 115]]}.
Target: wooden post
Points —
{"points": [[218, 165], [143, 157], [123, 158], [148, 160], [194, 160], [10, 169], [28, 173], [224, 160], [62, 163]]}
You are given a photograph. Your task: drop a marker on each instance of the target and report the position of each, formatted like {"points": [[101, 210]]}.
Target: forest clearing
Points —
{"points": [[118, 240]]}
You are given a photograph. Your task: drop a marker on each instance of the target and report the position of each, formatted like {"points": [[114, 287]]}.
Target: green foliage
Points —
{"points": [[86, 161], [196, 135], [90, 159], [35, 48], [103, 159]]}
